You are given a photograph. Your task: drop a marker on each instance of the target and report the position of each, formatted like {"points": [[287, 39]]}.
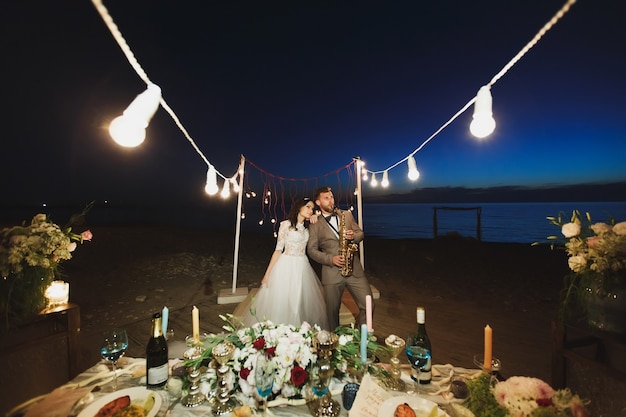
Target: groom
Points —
{"points": [[323, 248]]}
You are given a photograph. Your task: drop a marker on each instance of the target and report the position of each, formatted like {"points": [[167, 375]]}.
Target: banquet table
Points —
{"points": [[72, 398]]}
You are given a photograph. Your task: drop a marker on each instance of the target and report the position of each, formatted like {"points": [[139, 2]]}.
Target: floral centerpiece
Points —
{"points": [[291, 349], [30, 256], [597, 255], [521, 396]]}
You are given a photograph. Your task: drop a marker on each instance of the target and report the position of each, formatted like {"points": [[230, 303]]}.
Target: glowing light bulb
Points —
{"points": [[385, 181], [261, 222], [129, 129], [236, 188], [413, 172], [483, 124], [225, 189], [374, 181], [243, 216], [364, 177], [273, 221], [211, 187]]}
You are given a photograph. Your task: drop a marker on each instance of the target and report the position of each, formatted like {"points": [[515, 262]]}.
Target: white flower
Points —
{"points": [[577, 263], [570, 230], [620, 228], [600, 228]]}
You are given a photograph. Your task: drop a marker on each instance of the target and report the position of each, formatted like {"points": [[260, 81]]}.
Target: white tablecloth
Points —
{"points": [[131, 373]]}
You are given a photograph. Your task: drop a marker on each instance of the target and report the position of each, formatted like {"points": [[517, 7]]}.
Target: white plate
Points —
{"points": [[139, 394], [421, 406]]}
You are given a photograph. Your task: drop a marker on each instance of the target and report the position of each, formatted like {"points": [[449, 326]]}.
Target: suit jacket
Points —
{"points": [[323, 244]]}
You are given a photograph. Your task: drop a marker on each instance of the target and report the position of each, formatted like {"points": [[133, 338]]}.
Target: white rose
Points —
{"points": [[600, 228], [620, 228], [577, 263], [71, 247], [570, 230]]}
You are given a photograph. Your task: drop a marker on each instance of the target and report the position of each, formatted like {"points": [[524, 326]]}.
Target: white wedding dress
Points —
{"points": [[293, 293]]}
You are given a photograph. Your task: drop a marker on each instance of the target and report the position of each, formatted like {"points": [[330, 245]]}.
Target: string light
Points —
{"points": [[385, 181], [225, 189], [413, 174], [129, 129], [374, 181], [483, 124], [236, 187], [211, 181]]}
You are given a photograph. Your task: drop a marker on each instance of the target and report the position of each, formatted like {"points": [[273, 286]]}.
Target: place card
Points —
{"points": [[369, 398]]}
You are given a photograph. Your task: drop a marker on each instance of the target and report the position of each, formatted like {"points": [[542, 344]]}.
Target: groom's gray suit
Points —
{"points": [[322, 246]]}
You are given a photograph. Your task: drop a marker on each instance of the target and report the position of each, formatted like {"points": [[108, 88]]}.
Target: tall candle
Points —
{"points": [[368, 312], [195, 323], [165, 315], [363, 343], [488, 349]]}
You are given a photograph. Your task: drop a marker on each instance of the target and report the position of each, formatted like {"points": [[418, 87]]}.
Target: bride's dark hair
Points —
{"points": [[295, 209]]}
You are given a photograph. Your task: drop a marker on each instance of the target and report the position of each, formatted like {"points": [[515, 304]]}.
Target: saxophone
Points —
{"points": [[346, 249]]}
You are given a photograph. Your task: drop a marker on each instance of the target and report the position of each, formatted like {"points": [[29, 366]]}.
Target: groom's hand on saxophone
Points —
{"points": [[338, 261]]}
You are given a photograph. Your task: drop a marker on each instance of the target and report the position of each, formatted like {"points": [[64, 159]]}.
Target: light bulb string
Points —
{"points": [[495, 78], [130, 56]]}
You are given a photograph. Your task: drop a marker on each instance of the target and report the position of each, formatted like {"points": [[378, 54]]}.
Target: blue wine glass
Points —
{"points": [[264, 378], [114, 345]]}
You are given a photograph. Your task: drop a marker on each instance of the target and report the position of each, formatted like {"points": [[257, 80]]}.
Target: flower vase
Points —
{"points": [[23, 294], [606, 306]]}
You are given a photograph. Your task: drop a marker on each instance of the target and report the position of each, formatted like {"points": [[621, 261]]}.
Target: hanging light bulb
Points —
{"points": [[273, 221], [413, 172], [236, 188], [129, 129], [211, 187], [385, 181], [261, 222], [483, 123], [364, 177], [374, 181], [243, 216], [225, 189]]}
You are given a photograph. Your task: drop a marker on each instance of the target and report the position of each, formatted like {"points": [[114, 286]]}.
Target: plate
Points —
{"points": [[138, 394], [421, 406]]}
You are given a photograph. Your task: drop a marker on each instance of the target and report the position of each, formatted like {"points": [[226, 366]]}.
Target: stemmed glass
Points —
{"points": [[114, 345], [264, 378]]}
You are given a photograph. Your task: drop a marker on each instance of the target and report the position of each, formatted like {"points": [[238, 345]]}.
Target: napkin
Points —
{"points": [[58, 403], [369, 398]]}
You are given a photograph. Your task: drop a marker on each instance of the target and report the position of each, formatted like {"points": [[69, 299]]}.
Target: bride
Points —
{"points": [[291, 292]]}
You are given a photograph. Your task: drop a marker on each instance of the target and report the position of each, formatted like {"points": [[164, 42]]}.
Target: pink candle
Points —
{"points": [[368, 312], [488, 349]]}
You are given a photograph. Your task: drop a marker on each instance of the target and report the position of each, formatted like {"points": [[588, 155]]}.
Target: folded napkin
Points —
{"points": [[58, 403]]}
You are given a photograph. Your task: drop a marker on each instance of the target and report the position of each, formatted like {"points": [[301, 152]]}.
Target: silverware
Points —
{"points": [[171, 407]]}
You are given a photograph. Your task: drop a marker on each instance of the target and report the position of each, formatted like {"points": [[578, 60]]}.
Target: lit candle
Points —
{"points": [[363, 343], [165, 314], [57, 293], [195, 324], [488, 349], [368, 312]]}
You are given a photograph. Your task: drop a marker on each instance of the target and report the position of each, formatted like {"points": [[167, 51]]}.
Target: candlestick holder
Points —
{"points": [[194, 397], [223, 403], [324, 342], [496, 365], [396, 345]]}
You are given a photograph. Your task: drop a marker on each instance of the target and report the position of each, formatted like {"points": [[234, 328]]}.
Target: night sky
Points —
{"points": [[301, 87]]}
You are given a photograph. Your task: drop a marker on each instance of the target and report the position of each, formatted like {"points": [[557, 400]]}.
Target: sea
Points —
{"points": [[488, 222]]}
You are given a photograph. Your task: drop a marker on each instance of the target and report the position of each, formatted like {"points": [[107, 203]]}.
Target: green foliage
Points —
{"points": [[481, 401]]}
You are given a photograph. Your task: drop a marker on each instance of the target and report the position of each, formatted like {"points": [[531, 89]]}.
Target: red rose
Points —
{"points": [[544, 402], [270, 352], [298, 376], [259, 343], [243, 374]]}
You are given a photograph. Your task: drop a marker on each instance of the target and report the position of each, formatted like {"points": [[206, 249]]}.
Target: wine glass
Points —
{"points": [[114, 345], [264, 378]]}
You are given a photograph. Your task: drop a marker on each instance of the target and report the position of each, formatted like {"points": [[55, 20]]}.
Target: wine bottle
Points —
{"points": [[156, 355], [418, 350]]}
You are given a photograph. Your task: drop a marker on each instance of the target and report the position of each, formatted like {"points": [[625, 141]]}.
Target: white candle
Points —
{"points": [[488, 349], [195, 323], [165, 314], [368, 312], [57, 293]]}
